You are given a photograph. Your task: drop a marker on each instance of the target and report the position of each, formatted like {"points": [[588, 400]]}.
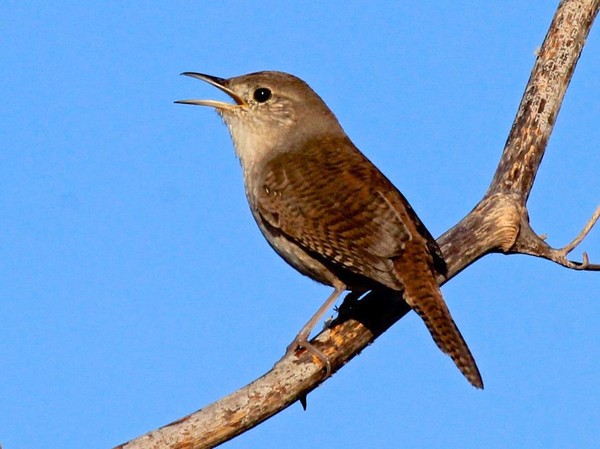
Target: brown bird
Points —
{"points": [[326, 209]]}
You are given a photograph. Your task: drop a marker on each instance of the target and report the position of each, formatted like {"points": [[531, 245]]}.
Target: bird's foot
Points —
{"points": [[303, 343]]}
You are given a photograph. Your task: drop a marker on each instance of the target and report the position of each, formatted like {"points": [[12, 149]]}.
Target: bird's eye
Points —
{"points": [[262, 94]]}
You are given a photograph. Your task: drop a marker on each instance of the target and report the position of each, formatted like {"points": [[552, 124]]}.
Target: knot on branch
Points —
{"points": [[502, 214]]}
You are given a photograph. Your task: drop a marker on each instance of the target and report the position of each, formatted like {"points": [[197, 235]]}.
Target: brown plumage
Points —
{"points": [[326, 209]]}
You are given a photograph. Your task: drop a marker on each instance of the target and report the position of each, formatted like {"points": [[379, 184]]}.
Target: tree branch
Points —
{"points": [[530, 243], [498, 223]]}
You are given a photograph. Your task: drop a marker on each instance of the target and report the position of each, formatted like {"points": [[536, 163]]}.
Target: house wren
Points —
{"points": [[326, 209]]}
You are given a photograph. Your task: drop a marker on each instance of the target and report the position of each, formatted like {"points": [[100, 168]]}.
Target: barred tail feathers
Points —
{"points": [[422, 293]]}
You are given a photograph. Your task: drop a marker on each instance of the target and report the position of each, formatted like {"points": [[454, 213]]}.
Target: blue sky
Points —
{"points": [[135, 287]]}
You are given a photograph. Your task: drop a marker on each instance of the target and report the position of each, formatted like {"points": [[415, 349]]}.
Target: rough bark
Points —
{"points": [[498, 223]]}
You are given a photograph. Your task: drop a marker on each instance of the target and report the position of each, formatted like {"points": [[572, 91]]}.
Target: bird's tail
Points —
{"points": [[422, 293]]}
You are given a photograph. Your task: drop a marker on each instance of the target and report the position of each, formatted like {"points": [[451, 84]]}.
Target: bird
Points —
{"points": [[326, 209]]}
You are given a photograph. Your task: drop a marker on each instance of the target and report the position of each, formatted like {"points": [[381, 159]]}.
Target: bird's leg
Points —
{"points": [[301, 340]]}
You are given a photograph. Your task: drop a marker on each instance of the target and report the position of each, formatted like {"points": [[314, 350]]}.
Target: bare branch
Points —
{"points": [[528, 242], [499, 223], [550, 77]]}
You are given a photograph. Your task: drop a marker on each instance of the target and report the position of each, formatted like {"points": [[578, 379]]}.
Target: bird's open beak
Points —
{"points": [[218, 83]]}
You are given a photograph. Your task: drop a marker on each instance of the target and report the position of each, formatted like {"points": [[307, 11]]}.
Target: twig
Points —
{"points": [[528, 242]]}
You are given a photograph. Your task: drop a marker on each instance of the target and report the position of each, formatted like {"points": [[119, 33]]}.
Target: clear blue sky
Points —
{"points": [[135, 287]]}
